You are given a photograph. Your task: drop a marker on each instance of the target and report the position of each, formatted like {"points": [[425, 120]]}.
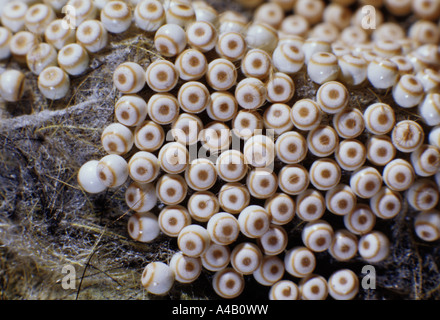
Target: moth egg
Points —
{"points": [[228, 283], [288, 58], [325, 174], [202, 205], [386, 204], [332, 97], [280, 88], [293, 179], [216, 257], [299, 261], [201, 174], [116, 16], [310, 9], [326, 31], [231, 166], [260, 35], [404, 65], [322, 141], [323, 67], [202, 35], [423, 195], [193, 240], [366, 182], [186, 128], [254, 221], [281, 208], [163, 108], [117, 139], [223, 228], [170, 40], [429, 109], [430, 80], [21, 43], [426, 9], [191, 65], [161, 76], [92, 35], [112, 170], [340, 200], [310, 205], [73, 59], [343, 285], [232, 21], [12, 84], [380, 150], [262, 183], [270, 13], [256, 63], [284, 290], [379, 118], [193, 97], [317, 235], [186, 269], [171, 189], [88, 178], [353, 35], [221, 74], [407, 136], [143, 167], [387, 48], [344, 246], [247, 123], [157, 278], [259, 151], [276, 117], [274, 241], [293, 25], [129, 77], [426, 160], [291, 147], [53, 83], [41, 56], [234, 197], [350, 154], [130, 110], [270, 271], [250, 93], [408, 92], [180, 13], [57, 35], [13, 15], [143, 227], [382, 73], [172, 219], [374, 247], [215, 137], [313, 287], [140, 197], [353, 69], [246, 257], [231, 46], [361, 220], [149, 136], [223, 106], [80, 11], [398, 175], [149, 15], [205, 12], [305, 114], [427, 225]]}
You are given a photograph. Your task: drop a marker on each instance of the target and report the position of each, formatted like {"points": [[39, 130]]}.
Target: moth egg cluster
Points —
{"points": [[216, 146]]}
